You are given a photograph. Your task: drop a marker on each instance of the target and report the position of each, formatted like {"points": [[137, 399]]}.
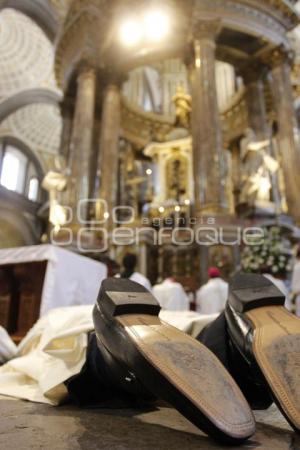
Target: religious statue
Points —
{"points": [[55, 182], [259, 167], [183, 107], [249, 144], [260, 185]]}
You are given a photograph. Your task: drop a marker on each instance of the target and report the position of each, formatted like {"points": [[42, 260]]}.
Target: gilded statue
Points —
{"points": [[177, 177], [258, 168], [183, 106]]}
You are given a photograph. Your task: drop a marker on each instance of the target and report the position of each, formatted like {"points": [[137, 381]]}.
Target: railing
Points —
{"points": [[142, 127]]}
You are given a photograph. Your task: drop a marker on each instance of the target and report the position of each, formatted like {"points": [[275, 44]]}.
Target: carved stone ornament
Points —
{"points": [[279, 56], [207, 29]]}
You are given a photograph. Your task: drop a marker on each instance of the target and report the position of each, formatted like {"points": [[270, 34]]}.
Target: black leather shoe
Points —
{"points": [[215, 336], [267, 337], [170, 364]]}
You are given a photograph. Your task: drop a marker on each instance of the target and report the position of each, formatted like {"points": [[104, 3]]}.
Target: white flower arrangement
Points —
{"points": [[273, 255]]}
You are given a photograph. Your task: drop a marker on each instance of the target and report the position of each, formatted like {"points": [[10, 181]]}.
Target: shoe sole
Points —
{"points": [[187, 375], [276, 347]]}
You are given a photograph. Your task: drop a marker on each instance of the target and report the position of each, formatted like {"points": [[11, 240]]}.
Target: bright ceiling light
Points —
{"points": [[161, 209], [149, 172], [177, 208], [157, 25], [130, 33]]}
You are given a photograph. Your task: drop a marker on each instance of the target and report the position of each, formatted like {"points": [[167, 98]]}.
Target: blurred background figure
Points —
{"points": [[113, 268], [295, 285], [171, 295], [212, 296], [129, 265]]}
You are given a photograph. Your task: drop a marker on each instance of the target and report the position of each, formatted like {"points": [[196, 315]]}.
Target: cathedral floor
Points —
{"points": [[28, 426]]}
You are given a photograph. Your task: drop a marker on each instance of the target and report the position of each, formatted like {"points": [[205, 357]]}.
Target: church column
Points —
{"points": [[288, 132], [258, 120], [66, 112], [236, 172], [109, 145], [209, 177], [255, 100], [81, 139]]}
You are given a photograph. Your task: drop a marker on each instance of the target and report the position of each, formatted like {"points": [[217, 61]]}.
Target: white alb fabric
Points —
{"points": [[55, 349], [70, 279], [211, 297], [141, 279], [171, 296], [278, 283], [282, 287], [190, 322]]}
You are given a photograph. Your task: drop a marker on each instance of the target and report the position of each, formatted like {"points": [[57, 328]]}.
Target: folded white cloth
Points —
{"points": [[55, 349], [189, 322]]}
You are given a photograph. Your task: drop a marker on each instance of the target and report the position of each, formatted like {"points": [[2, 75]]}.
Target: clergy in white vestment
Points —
{"points": [[211, 297], [129, 265], [279, 283], [171, 295], [295, 285]]}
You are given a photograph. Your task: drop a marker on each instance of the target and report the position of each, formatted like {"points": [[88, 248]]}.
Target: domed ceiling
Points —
{"points": [[26, 63], [27, 55]]}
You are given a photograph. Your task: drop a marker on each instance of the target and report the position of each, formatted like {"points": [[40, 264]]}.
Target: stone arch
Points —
{"points": [[18, 143], [30, 96]]}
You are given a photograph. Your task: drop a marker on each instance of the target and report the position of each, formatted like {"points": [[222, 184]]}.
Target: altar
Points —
{"points": [[36, 279]]}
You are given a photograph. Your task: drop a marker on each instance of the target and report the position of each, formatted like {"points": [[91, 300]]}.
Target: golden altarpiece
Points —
{"points": [[200, 126]]}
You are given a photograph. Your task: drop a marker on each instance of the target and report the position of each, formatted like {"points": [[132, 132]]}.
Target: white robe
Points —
{"points": [[171, 296], [55, 349], [282, 287], [211, 298], [141, 279]]}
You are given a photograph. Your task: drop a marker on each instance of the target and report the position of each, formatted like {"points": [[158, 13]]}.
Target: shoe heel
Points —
{"points": [[250, 291], [276, 344], [118, 297]]}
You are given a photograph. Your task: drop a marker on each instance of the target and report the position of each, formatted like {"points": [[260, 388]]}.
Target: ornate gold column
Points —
{"points": [[208, 156], [81, 139], [288, 132], [255, 100], [109, 145], [258, 122], [236, 172]]}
